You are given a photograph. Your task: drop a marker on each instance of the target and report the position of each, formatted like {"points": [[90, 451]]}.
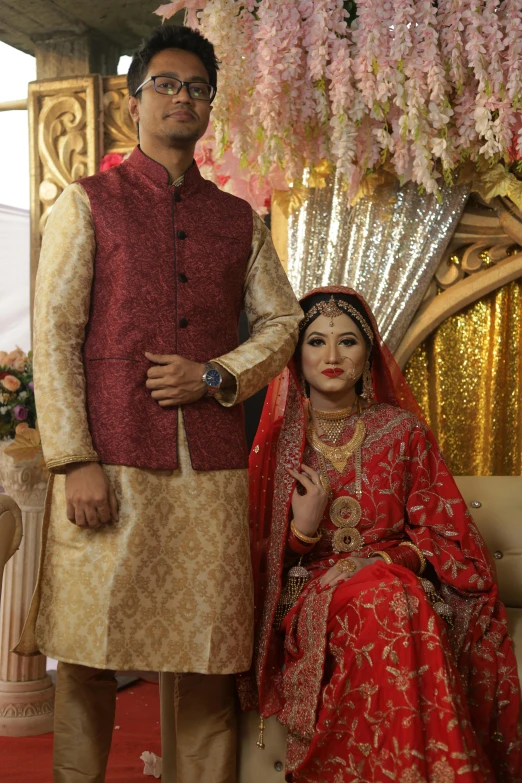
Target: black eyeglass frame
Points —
{"points": [[181, 85]]}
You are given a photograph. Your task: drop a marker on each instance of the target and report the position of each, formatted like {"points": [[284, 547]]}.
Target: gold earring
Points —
{"points": [[367, 390], [303, 387]]}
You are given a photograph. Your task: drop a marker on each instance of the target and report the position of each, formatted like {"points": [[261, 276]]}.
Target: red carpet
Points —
{"points": [[28, 759]]}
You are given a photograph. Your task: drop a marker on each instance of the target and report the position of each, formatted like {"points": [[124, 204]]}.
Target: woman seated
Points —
{"points": [[381, 642]]}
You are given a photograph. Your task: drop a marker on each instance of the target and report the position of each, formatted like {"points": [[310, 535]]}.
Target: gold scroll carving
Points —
{"points": [[65, 144], [485, 253], [119, 133]]}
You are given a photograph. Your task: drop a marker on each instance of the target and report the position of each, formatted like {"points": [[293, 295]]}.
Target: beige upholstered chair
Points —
{"points": [[496, 505], [10, 531]]}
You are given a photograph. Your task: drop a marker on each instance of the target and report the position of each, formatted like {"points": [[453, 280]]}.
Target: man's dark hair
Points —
{"points": [[169, 36]]}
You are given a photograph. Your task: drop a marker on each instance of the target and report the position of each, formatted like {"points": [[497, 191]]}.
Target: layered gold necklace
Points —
{"points": [[333, 424], [345, 512]]}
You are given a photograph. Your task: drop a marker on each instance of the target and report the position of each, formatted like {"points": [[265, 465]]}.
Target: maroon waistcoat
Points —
{"points": [[168, 278]]}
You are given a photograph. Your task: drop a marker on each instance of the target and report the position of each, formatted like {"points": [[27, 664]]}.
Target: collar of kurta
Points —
{"points": [[158, 174]]}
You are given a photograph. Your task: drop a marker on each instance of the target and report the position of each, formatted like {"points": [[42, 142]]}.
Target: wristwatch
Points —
{"points": [[213, 378]]}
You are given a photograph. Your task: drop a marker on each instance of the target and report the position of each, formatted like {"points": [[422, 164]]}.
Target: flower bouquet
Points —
{"points": [[18, 428]]}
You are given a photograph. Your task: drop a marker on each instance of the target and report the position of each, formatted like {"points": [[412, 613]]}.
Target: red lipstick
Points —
{"points": [[333, 372]]}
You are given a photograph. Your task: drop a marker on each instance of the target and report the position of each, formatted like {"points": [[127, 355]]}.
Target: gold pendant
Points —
{"points": [[347, 539], [345, 512]]}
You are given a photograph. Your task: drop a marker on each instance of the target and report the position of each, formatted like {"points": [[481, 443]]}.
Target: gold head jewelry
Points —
{"points": [[333, 309], [367, 390]]}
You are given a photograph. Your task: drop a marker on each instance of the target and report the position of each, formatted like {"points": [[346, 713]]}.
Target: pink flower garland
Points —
{"points": [[422, 86], [512, 17]]}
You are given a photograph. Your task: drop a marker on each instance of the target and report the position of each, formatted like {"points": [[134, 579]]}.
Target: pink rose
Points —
{"points": [[20, 413], [10, 383], [3, 358], [22, 427], [17, 360], [110, 160]]}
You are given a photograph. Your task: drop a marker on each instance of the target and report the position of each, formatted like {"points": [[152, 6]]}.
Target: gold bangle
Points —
{"points": [[302, 537], [419, 554], [385, 556]]}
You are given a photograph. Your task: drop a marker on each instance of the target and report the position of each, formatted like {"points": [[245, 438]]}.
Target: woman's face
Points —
{"points": [[333, 357]]}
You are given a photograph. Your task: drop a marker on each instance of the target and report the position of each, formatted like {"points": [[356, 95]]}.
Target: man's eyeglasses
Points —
{"points": [[168, 85]]}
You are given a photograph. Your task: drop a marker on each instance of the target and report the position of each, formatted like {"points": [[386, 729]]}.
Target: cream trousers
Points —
{"points": [[204, 732]]}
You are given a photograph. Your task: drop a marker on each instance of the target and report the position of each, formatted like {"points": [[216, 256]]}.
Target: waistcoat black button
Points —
{"points": [[183, 323], [183, 277], [181, 235]]}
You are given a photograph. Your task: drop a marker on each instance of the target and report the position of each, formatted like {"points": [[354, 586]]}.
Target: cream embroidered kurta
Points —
{"points": [[168, 587]]}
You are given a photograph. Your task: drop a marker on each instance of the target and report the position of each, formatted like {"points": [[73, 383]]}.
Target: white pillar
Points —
{"points": [[26, 691]]}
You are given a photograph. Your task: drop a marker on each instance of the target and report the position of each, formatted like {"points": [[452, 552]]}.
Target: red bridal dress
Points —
{"points": [[392, 675]]}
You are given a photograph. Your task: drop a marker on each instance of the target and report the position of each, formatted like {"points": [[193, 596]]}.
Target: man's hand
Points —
{"points": [[175, 380], [90, 497]]}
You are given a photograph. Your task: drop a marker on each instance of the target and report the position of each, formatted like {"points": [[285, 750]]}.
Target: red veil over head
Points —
{"points": [[271, 487]]}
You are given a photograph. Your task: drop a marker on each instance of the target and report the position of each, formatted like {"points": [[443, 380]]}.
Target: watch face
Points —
{"points": [[213, 378]]}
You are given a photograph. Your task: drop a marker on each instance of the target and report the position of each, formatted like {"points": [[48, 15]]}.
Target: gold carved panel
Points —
{"points": [[119, 133], [65, 127], [484, 254]]}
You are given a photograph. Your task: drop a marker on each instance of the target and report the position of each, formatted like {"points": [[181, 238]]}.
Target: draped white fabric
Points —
{"points": [[14, 279]]}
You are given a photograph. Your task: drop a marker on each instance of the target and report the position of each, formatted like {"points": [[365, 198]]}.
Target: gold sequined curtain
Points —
{"points": [[467, 377]]}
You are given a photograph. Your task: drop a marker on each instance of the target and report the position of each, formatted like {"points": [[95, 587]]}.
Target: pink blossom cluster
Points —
{"points": [[414, 84], [225, 169]]}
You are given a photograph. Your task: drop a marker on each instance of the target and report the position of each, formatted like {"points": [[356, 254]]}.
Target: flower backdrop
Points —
{"points": [[415, 86]]}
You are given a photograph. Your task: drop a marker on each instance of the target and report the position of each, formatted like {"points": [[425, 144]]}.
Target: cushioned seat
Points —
{"points": [[495, 503]]}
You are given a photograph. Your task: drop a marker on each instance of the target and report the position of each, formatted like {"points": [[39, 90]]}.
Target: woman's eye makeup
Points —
{"points": [[347, 342]]}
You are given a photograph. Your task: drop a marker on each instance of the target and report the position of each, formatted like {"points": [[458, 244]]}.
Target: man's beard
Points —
{"points": [[184, 134]]}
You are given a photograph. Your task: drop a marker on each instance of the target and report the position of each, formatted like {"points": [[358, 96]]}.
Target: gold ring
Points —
{"points": [[347, 565]]}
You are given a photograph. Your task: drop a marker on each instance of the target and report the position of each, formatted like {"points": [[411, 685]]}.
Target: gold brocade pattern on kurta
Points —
{"points": [[167, 588], [467, 377]]}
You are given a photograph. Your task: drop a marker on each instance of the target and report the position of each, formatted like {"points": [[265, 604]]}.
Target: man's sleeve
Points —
{"points": [[62, 299], [273, 315]]}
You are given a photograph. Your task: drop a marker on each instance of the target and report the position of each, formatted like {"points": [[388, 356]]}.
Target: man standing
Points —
{"points": [[143, 273]]}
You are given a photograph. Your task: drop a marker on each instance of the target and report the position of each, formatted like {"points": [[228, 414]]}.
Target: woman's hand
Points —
{"points": [[334, 577], [308, 508]]}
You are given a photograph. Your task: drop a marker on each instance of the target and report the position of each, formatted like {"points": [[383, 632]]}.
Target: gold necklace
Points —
{"points": [[338, 455], [345, 511], [333, 422]]}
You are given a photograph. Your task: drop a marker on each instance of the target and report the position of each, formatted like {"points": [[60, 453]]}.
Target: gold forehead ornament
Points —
{"points": [[333, 309]]}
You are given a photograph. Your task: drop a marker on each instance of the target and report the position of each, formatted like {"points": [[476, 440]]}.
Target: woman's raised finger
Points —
{"points": [[302, 478], [312, 474]]}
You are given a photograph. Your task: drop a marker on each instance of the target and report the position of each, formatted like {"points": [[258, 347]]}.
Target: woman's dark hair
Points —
{"points": [[169, 36], [310, 301]]}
